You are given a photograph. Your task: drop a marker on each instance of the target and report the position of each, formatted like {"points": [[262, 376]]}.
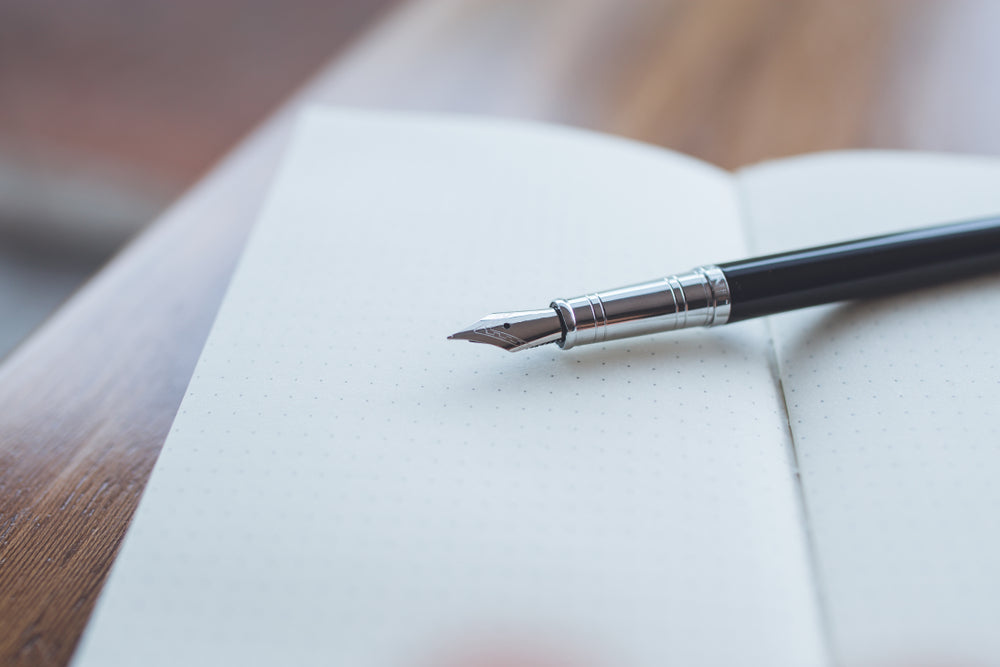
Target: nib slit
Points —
{"points": [[515, 331]]}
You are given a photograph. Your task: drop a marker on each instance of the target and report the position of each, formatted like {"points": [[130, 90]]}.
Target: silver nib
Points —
{"points": [[515, 331]]}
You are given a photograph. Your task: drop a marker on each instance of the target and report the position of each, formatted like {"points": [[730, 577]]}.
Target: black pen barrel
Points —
{"points": [[862, 268]]}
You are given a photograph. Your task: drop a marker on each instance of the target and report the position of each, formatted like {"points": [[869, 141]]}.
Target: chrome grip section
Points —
{"points": [[698, 298]]}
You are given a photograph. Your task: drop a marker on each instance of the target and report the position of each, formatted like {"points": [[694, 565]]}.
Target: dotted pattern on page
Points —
{"points": [[895, 411], [344, 486]]}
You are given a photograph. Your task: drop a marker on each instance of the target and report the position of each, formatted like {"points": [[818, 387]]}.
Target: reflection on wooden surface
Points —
{"points": [[88, 400]]}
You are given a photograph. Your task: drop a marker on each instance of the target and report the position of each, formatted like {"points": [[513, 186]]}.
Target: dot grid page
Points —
{"points": [[344, 486], [894, 407]]}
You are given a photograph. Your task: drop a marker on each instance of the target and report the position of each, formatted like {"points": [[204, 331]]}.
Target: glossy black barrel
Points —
{"points": [[862, 268]]}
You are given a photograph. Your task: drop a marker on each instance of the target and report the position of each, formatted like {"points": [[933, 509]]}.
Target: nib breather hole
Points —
{"points": [[506, 325]]}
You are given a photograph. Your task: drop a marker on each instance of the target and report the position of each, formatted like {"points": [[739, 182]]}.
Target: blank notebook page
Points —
{"points": [[895, 410], [344, 486]]}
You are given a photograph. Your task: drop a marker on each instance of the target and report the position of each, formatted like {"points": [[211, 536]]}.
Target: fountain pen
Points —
{"points": [[716, 294]]}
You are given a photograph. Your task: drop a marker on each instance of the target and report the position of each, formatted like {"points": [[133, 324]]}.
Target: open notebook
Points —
{"points": [[344, 486]]}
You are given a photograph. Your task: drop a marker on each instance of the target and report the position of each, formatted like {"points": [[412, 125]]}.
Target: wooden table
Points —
{"points": [[88, 400]]}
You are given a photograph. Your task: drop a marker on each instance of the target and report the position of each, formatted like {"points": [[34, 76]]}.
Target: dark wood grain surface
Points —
{"points": [[86, 403]]}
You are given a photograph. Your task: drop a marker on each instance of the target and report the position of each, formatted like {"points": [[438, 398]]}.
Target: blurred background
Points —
{"points": [[110, 109]]}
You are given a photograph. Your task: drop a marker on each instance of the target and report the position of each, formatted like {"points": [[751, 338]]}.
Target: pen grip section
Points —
{"points": [[693, 299], [862, 268]]}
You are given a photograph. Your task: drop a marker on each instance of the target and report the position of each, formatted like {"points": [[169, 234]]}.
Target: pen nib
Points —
{"points": [[515, 331]]}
